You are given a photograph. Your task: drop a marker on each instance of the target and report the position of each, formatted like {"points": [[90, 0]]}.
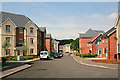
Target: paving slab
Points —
{"points": [[88, 62]]}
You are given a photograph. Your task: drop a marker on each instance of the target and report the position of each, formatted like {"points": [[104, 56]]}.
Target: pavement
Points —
{"points": [[65, 67], [16, 67], [89, 62]]}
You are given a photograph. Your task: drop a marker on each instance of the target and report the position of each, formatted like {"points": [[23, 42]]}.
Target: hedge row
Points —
{"points": [[88, 55]]}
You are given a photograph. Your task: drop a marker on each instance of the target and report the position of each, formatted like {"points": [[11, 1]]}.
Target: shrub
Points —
{"points": [[4, 62], [27, 57], [12, 59], [52, 54], [88, 55], [78, 54], [38, 57]]}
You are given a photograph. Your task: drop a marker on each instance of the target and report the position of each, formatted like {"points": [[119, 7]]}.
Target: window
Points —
{"points": [[31, 51], [98, 51], [7, 28], [31, 40], [98, 42], [103, 39], [31, 30], [103, 51], [118, 48], [8, 52], [20, 30], [37, 41], [106, 39], [38, 51], [8, 39], [20, 41]]}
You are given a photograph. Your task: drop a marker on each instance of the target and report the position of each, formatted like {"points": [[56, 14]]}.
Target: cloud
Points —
{"points": [[113, 16], [69, 27]]}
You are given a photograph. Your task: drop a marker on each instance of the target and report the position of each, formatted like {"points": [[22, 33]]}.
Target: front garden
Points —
{"points": [[89, 55]]}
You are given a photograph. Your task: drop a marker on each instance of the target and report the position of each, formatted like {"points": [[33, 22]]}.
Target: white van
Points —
{"points": [[44, 55]]}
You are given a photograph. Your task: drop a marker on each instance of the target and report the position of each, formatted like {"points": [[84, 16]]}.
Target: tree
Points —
{"points": [[6, 45], [75, 44]]}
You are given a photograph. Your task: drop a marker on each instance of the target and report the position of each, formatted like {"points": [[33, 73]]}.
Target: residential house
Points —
{"points": [[67, 48], [61, 48], [55, 45], [84, 39], [92, 41], [43, 41], [106, 44], [49, 43], [23, 35], [118, 37]]}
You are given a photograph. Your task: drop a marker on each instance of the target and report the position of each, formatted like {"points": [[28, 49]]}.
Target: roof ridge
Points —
{"points": [[12, 13]]}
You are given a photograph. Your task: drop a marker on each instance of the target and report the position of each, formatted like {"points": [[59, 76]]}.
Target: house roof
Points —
{"points": [[109, 32], [94, 37], [90, 33], [19, 20], [48, 35], [42, 29]]}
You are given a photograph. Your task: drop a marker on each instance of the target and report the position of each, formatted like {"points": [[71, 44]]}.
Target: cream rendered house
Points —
{"points": [[20, 30], [55, 45], [118, 37]]}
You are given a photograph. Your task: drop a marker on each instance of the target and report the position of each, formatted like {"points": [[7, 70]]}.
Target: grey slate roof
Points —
{"points": [[90, 33], [48, 35], [42, 29], [109, 31], [19, 20]]}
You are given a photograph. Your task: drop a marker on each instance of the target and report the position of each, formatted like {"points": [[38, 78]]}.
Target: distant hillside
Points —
{"points": [[64, 41]]}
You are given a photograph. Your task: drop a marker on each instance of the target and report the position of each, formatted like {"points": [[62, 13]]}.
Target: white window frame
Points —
{"points": [[30, 51], [20, 30], [103, 51], [7, 28], [103, 39], [20, 40], [7, 53]]}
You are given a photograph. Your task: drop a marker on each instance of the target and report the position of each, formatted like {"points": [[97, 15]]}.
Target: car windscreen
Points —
{"points": [[41, 53], [45, 53]]}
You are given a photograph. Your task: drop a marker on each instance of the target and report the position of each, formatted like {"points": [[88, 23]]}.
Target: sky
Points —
{"points": [[64, 20]]}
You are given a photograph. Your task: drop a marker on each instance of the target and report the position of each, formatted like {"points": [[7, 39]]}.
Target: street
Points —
{"points": [[64, 67]]}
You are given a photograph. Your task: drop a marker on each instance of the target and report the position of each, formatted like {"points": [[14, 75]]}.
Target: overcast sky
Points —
{"points": [[66, 19]]}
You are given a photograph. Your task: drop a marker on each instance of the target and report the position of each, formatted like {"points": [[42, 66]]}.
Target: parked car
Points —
{"points": [[44, 55], [61, 54], [57, 55]]}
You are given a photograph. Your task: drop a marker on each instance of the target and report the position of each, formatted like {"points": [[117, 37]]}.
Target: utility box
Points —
{"points": [[20, 58]]}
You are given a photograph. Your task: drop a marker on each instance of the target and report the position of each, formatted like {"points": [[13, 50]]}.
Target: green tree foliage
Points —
{"points": [[65, 41], [75, 44], [6, 44]]}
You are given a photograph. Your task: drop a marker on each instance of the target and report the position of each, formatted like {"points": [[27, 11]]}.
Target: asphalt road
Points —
{"points": [[66, 67]]}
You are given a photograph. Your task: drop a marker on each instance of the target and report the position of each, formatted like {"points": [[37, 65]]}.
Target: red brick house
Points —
{"points": [[106, 44], [92, 42], [84, 39], [43, 40], [49, 43]]}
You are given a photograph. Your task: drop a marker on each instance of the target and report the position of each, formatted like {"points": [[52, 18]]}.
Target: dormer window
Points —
{"points": [[31, 30], [21, 30], [7, 28]]}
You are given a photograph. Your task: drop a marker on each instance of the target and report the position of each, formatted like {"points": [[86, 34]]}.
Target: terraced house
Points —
{"points": [[24, 36], [49, 43], [84, 38], [106, 44]]}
